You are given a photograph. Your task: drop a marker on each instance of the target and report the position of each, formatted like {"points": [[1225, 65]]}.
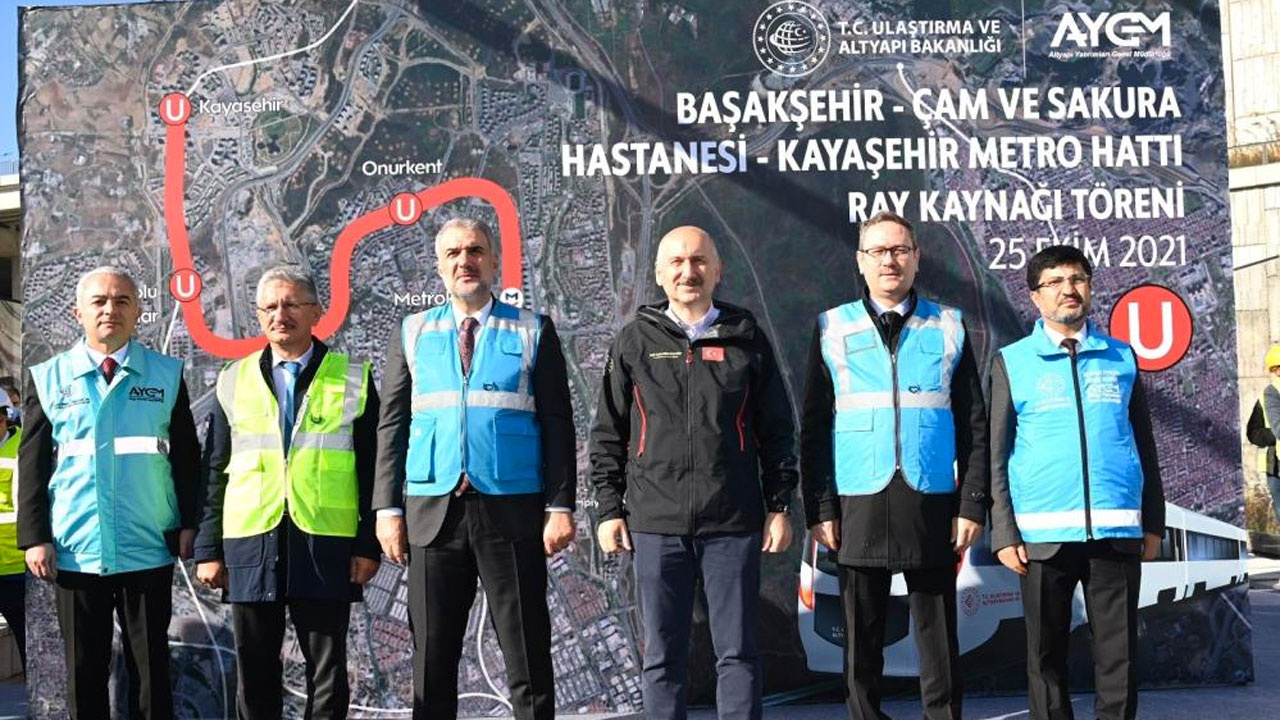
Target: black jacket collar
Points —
{"points": [[734, 323]]}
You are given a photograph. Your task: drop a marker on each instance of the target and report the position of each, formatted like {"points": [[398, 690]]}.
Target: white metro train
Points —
{"points": [[1198, 555]]}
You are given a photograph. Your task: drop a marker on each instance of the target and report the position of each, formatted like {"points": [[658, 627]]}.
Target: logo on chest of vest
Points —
{"points": [[147, 394], [65, 400]]}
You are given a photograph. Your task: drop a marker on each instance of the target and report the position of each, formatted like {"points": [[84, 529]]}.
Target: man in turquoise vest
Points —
{"points": [[286, 522], [13, 565], [477, 475], [109, 464], [894, 464], [1075, 486]]}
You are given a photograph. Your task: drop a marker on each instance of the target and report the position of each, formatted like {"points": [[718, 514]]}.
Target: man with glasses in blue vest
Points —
{"points": [[477, 475], [894, 464], [110, 466], [1075, 486]]}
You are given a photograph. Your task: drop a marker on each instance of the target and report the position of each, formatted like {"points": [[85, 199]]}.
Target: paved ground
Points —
{"points": [[1258, 700]]}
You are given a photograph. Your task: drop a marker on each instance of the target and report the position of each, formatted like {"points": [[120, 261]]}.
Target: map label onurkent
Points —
{"points": [[403, 167]]}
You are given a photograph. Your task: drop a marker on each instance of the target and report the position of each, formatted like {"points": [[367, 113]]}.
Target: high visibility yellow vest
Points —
{"points": [[317, 481], [12, 560]]}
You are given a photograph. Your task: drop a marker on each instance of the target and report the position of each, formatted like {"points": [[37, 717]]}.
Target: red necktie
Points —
{"points": [[108, 368], [468, 345], [466, 348]]}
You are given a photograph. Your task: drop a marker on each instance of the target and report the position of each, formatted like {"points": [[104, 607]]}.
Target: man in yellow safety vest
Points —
{"points": [[286, 522]]}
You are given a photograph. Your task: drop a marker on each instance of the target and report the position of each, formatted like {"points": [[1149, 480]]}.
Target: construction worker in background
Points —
{"points": [[13, 565], [1259, 427]]}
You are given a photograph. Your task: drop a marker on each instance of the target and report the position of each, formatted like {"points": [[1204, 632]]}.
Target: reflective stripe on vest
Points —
{"points": [[882, 419], [484, 425], [318, 482], [1046, 474], [12, 560], [111, 495]]}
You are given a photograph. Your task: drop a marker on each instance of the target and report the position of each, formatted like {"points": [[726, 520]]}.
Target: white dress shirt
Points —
{"points": [[700, 326], [1056, 337], [119, 356], [279, 375]]}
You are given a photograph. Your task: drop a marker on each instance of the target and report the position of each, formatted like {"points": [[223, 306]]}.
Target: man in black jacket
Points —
{"points": [[277, 532], [693, 464], [893, 399]]}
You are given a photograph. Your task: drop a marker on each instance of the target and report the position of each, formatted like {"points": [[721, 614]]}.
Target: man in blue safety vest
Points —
{"points": [[109, 464], [894, 464], [476, 475], [1075, 486]]}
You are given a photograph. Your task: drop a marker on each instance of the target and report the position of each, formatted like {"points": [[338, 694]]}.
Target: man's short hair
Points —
{"points": [[474, 225], [886, 216], [1052, 257], [111, 270], [292, 274]]}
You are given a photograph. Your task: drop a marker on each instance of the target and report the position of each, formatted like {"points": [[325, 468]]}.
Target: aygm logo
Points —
{"points": [[791, 38], [147, 394], [1123, 29]]}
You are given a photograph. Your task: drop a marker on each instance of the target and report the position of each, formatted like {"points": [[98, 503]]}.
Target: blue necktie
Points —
{"points": [[291, 370]]}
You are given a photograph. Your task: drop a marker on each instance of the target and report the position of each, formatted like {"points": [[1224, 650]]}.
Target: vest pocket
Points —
{"points": [[338, 484], [854, 454], [937, 443], [859, 341], [244, 484], [420, 458], [517, 452]]}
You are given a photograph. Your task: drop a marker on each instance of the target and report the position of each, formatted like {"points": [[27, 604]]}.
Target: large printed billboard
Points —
{"points": [[197, 144]]}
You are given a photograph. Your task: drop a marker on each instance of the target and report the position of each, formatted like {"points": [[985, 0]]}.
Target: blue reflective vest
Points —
{"points": [[111, 496], [893, 411], [1056, 496], [484, 424]]}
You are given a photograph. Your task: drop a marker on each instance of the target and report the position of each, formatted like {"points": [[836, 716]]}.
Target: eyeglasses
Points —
{"points": [[899, 252], [288, 307], [1057, 283]]}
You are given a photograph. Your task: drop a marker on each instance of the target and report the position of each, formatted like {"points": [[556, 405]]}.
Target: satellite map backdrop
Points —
{"points": [[197, 144]]}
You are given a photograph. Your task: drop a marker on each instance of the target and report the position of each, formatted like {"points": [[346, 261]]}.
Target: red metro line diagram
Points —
{"points": [[405, 209]]}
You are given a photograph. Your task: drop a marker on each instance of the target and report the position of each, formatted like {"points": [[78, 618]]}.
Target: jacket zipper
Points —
{"points": [[742, 438], [688, 419], [1084, 449], [897, 435], [644, 419]]}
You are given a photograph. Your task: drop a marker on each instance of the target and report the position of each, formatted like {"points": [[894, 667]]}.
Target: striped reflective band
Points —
{"points": [[1075, 519], [245, 442], [128, 445], [141, 445], [884, 400], [351, 394], [475, 398], [8, 518], [7, 463]]}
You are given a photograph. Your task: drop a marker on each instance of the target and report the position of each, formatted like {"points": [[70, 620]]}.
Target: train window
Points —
{"points": [[1201, 546], [1168, 546]]}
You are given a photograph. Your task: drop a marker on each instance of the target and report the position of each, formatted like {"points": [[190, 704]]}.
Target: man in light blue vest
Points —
{"points": [[1075, 486], [894, 464], [109, 464], [476, 475]]}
